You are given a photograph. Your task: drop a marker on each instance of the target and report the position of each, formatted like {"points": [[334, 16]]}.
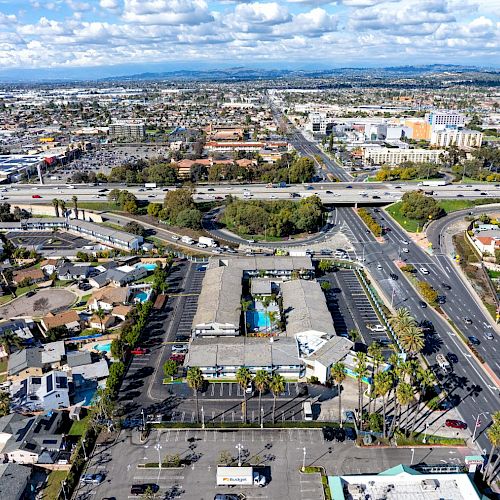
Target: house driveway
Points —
{"points": [[54, 299]]}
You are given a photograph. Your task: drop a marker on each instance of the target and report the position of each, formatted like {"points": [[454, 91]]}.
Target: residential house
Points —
{"points": [[32, 274], [49, 266], [119, 276], [47, 392], [69, 271], [14, 479], [121, 312], [20, 329], [108, 297], [102, 324], [32, 439], [70, 319]]}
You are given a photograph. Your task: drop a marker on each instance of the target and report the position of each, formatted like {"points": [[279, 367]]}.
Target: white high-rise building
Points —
{"points": [[461, 138], [445, 119], [396, 156], [128, 129]]}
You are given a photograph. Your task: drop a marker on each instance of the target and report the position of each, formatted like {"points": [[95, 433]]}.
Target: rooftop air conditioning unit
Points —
{"points": [[429, 485]]}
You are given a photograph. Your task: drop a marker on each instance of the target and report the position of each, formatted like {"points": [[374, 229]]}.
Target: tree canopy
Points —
{"points": [[416, 205]]}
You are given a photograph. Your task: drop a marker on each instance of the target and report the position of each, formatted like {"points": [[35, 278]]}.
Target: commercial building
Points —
{"points": [[448, 119], [127, 129], [396, 156], [231, 146], [463, 139], [402, 482], [420, 129]]}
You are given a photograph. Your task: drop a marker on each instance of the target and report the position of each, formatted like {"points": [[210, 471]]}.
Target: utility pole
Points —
{"points": [[239, 447]]}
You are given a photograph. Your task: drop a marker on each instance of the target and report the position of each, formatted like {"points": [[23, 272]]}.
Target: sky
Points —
{"points": [[123, 34]]}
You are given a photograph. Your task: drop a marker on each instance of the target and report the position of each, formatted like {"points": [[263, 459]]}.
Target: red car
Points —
{"points": [[455, 424], [179, 358], [35, 196], [139, 351]]}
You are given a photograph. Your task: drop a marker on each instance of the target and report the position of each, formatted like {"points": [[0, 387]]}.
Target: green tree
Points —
{"points": [[134, 228], [361, 372], [4, 404], [244, 377], [412, 340], [339, 375], [375, 353], [428, 293], [325, 266], [493, 434], [117, 349], [195, 380], [170, 368], [261, 381], [277, 386], [55, 203], [74, 199], [404, 396], [383, 384], [154, 209], [175, 202], [189, 217], [245, 307], [426, 379], [416, 205]]}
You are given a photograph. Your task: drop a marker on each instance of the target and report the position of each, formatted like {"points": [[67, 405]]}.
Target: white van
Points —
{"points": [[307, 409]]}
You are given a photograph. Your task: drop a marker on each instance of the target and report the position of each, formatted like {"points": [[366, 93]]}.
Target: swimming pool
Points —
{"points": [[103, 347], [148, 267], [258, 320], [142, 296]]}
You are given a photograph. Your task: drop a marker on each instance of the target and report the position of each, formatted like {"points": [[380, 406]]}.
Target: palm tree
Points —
{"points": [[412, 340], [62, 206], [9, 339], [266, 302], [244, 377], [404, 397], [375, 352], [245, 307], [338, 374], [383, 384], [426, 379], [195, 380], [361, 371], [55, 203], [261, 381], [493, 434], [74, 199], [101, 314], [277, 386], [272, 315]]}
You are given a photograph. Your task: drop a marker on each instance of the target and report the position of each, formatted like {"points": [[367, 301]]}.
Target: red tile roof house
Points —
{"points": [[487, 244], [34, 275]]}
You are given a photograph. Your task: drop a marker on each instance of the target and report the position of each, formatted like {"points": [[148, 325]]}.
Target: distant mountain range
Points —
{"points": [[238, 73]]}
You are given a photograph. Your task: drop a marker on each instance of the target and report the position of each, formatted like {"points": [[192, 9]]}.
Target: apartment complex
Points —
{"points": [[445, 119], [395, 156], [127, 129]]}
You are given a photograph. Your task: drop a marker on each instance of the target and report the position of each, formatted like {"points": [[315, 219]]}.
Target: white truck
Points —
{"points": [[433, 183], [150, 185], [443, 363], [209, 242], [239, 476], [188, 240]]}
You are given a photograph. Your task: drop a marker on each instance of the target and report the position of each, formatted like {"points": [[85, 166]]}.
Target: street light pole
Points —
{"points": [[202, 418], [262, 418], [143, 420], [478, 423], [158, 448], [425, 432], [239, 447], [63, 484], [84, 450], [412, 455]]}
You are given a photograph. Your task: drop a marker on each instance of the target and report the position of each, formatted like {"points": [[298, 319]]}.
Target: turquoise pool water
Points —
{"points": [[257, 319], [103, 347], [141, 296], [149, 267], [85, 396]]}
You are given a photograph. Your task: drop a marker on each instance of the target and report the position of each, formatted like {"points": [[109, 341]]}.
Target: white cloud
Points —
{"points": [[169, 12], [109, 4]]}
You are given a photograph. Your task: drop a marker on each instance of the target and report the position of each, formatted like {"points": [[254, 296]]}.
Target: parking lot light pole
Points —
{"points": [[304, 459], [202, 418], [412, 455], [239, 447], [478, 423], [424, 440], [84, 450], [262, 418], [158, 448]]}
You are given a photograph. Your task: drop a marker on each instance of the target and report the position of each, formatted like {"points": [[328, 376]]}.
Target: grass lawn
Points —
{"points": [[97, 205], [3, 365], [51, 491], [24, 289], [78, 427], [146, 279], [85, 298], [5, 298], [494, 274], [112, 226]]}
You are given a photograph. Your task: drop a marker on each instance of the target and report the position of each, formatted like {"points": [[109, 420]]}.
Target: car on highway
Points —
{"points": [[474, 340], [405, 242], [489, 335], [467, 320], [393, 276], [455, 424], [328, 192], [405, 250], [139, 351], [422, 304], [423, 270], [140, 489], [452, 357], [348, 187], [35, 196], [177, 357], [441, 299], [379, 267], [92, 478], [446, 286]]}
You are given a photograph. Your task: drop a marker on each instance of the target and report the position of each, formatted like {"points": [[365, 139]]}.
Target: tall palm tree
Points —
{"points": [[338, 374], [412, 340], [404, 397], [375, 352], [273, 316], [401, 318], [277, 385], [493, 434], [245, 307], [244, 377], [62, 206], [9, 339], [261, 381], [426, 379], [361, 371], [74, 199], [101, 314], [383, 384], [55, 203], [195, 380]]}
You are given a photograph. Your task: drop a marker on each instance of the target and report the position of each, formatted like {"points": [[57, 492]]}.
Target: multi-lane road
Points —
{"points": [[474, 389]]}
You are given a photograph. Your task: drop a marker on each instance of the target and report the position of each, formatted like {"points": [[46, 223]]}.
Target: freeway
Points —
{"points": [[468, 382], [330, 193]]}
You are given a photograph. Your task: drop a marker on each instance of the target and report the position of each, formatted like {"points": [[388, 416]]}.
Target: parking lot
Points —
{"points": [[44, 240], [279, 453]]}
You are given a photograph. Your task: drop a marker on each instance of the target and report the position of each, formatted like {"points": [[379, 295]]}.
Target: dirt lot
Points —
{"points": [[24, 306]]}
